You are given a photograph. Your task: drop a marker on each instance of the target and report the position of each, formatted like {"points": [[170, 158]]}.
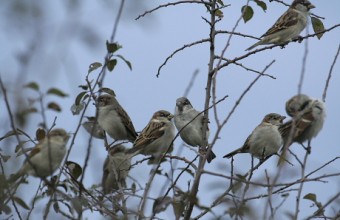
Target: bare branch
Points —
{"points": [[178, 50], [330, 75], [171, 4]]}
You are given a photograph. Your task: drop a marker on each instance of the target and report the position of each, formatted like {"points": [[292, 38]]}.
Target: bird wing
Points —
{"points": [[301, 124], [152, 132], [126, 121], [288, 19]]}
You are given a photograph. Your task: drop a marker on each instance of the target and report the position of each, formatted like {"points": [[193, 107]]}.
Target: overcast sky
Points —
{"points": [[64, 42]]}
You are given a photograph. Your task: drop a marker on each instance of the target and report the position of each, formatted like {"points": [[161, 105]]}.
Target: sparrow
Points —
{"points": [[45, 157], [265, 140], [288, 26], [156, 137], [115, 169], [114, 119], [306, 123], [192, 134]]}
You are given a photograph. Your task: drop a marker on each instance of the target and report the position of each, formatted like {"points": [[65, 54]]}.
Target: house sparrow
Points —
{"points": [[113, 118], [307, 123], [288, 26], [192, 133], [265, 139], [156, 137], [45, 157], [116, 168]]}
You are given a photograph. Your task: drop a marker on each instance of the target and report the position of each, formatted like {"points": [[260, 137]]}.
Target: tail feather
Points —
{"points": [[211, 156], [233, 153], [254, 45]]}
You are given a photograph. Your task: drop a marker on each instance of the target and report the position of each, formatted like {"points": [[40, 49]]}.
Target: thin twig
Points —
{"points": [[191, 83], [178, 50], [170, 4], [330, 75], [298, 197], [303, 68]]}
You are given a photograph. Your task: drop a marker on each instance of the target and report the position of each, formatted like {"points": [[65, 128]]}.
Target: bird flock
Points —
{"points": [[156, 139]]}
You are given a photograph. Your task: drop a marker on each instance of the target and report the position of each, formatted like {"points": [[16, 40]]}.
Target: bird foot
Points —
{"points": [[283, 45], [298, 39], [308, 148]]}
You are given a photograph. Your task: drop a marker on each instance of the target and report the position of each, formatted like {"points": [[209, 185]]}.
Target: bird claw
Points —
{"points": [[308, 148], [283, 45], [298, 39]]}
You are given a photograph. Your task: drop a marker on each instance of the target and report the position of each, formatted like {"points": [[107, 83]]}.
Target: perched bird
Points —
{"points": [[115, 170], [265, 139], [306, 124], [113, 118], [45, 157], [288, 26], [156, 137], [192, 134], [296, 104]]}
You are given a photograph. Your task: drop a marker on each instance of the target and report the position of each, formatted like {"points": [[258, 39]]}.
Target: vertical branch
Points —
{"points": [[303, 69], [298, 197], [330, 75], [112, 38], [194, 189]]}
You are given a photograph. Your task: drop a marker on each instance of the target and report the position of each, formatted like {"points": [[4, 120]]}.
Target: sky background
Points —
{"points": [[62, 38]]}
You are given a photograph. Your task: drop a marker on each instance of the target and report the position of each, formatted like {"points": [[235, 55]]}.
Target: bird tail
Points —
{"points": [[211, 156], [254, 45], [231, 154]]}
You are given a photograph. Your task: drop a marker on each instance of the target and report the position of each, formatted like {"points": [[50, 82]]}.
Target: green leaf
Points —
{"points": [[9, 134], [108, 91], [310, 196], [261, 4], [91, 126], [76, 109], [40, 134], [56, 207], [54, 106], [112, 47], [111, 64], [5, 208], [79, 98], [20, 202], [19, 146], [317, 26], [77, 204], [133, 188], [84, 87], [32, 85], [220, 2], [161, 204], [126, 61], [247, 13], [94, 66], [74, 168], [219, 13], [5, 158], [57, 92]]}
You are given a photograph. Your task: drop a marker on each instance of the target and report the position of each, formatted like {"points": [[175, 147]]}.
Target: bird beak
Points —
{"points": [[282, 118], [170, 117], [311, 6]]}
